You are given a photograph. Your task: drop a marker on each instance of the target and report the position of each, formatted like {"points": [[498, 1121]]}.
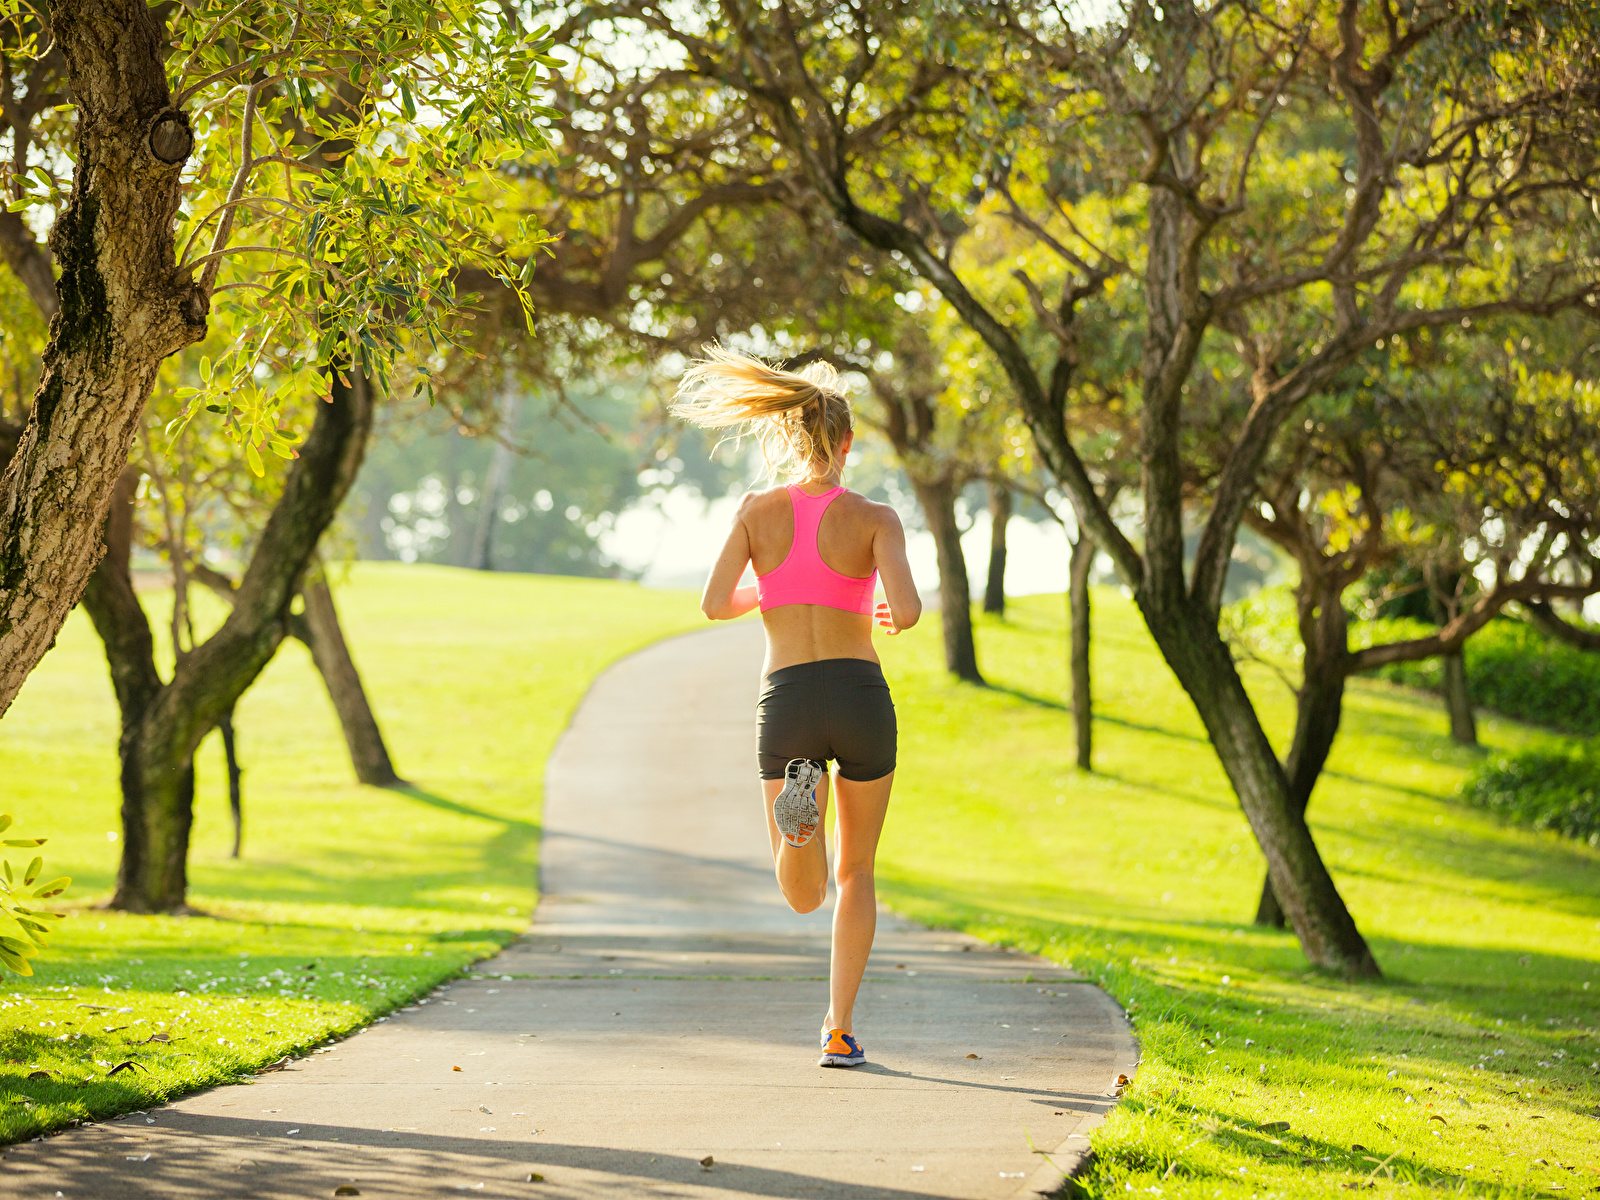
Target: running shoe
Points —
{"points": [[795, 807], [839, 1049]]}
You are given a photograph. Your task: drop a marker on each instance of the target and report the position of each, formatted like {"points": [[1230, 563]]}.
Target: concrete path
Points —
{"points": [[655, 1032]]}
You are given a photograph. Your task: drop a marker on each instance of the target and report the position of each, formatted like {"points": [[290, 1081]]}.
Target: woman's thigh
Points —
{"points": [[862, 808]]}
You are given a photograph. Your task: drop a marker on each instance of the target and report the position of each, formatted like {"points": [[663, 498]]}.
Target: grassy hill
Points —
{"points": [[348, 899], [1470, 1062], [1468, 1068]]}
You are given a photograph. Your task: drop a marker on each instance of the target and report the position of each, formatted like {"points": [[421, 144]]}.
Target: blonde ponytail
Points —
{"points": [[800, 418]]}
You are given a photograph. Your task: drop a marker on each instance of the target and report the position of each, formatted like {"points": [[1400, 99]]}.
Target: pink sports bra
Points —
{"points": [[802, 577]]}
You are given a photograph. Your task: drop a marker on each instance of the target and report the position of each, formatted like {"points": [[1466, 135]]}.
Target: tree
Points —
{"points": [[1453, 136], [364, 252], [1487, 501]]}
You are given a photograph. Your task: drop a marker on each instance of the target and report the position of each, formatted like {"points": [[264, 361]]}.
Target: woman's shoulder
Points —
{"points": [[870, 510], [760, 500]]}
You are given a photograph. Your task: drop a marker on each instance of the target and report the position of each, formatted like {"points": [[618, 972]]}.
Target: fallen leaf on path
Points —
{"points": [[455, 1068], [708, 1162], [972, 1056], [1438, 1118], [128, 1065], [535, 1177], [275, 1066], [344, 1189], [484, 1108], [1274, 1127], [138, 1158]]}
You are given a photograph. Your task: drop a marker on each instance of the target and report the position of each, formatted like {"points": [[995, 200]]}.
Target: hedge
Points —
{"points": [[1543, 789], [1512, 668]]}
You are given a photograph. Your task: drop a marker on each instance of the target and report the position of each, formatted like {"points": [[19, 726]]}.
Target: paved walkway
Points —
{"points": [[655, 1031]]}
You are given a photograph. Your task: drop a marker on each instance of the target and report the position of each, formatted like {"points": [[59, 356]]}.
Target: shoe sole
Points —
{"points": [[795, 807], [839, 1060]]}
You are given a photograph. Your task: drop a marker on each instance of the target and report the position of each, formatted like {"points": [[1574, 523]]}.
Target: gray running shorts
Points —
{"points": [[836, 709]]}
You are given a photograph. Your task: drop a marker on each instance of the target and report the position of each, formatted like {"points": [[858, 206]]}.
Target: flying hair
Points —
{"points": [[799, 418]]}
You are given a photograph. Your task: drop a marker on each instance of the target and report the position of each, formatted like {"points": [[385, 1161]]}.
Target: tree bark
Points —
{"points": [[1319, 707], [29, 262], [318, 628], [1458, 700], [994, 591], [1200, 659], [1546, 619], [123, 308], [938, 500], [230, 751], [1083, 551], [163, 724], [323, 634]]}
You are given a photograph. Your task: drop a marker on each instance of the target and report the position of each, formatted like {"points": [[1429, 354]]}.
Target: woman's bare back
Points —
{"points": [[799, 633]]}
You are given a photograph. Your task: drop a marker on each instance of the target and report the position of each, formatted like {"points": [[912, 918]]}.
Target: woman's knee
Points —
{"points": [[805, 900], [853, 875]]}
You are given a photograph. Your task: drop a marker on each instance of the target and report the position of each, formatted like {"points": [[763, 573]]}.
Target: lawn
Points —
{"points": [[348, 900], [1474, 1065]]}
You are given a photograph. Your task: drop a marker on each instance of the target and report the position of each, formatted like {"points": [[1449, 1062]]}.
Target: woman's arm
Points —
{"points": [[724, 599], [904, 606]]}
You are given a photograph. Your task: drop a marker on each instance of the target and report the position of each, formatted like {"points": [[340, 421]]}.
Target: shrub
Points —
{"points": [[1542, 789], [23, 928], [1512, 668]]}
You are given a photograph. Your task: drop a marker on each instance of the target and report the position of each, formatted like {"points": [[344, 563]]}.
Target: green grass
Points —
{"points": [[1144, 876], [348, 900]]}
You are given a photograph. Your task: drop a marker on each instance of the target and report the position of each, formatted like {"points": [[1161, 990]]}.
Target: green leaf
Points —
{"points": [[5, 822], [23, 841], [33, 870], [406, 102], [54, 888], [253, 457], [8, 872], [205, 368], [22, 205], [16, 962]]}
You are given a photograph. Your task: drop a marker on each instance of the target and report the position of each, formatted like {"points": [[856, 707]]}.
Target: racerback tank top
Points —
{"points": [[802, 577]]}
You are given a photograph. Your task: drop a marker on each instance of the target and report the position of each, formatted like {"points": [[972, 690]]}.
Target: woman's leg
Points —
{"points": [[803, 873], [855, 915]]}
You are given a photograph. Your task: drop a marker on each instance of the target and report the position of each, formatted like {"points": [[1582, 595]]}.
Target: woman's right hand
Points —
{"points": [[885, 618]]}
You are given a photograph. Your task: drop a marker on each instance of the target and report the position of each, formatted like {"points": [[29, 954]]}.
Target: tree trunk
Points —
{"points": [[319, 629], [938, 500], [368, 753], [163, 725], [994, 591], [230, 751], [1319, 707], [123, 308], [1458, 700], [501, 459], [1083, 551], [1188, 640]]}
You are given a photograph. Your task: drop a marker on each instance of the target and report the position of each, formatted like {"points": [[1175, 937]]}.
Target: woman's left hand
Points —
{"points": [[885, 618]]}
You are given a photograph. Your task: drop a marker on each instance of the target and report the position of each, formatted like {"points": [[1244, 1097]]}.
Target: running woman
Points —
{"points": [[818, 551]]}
